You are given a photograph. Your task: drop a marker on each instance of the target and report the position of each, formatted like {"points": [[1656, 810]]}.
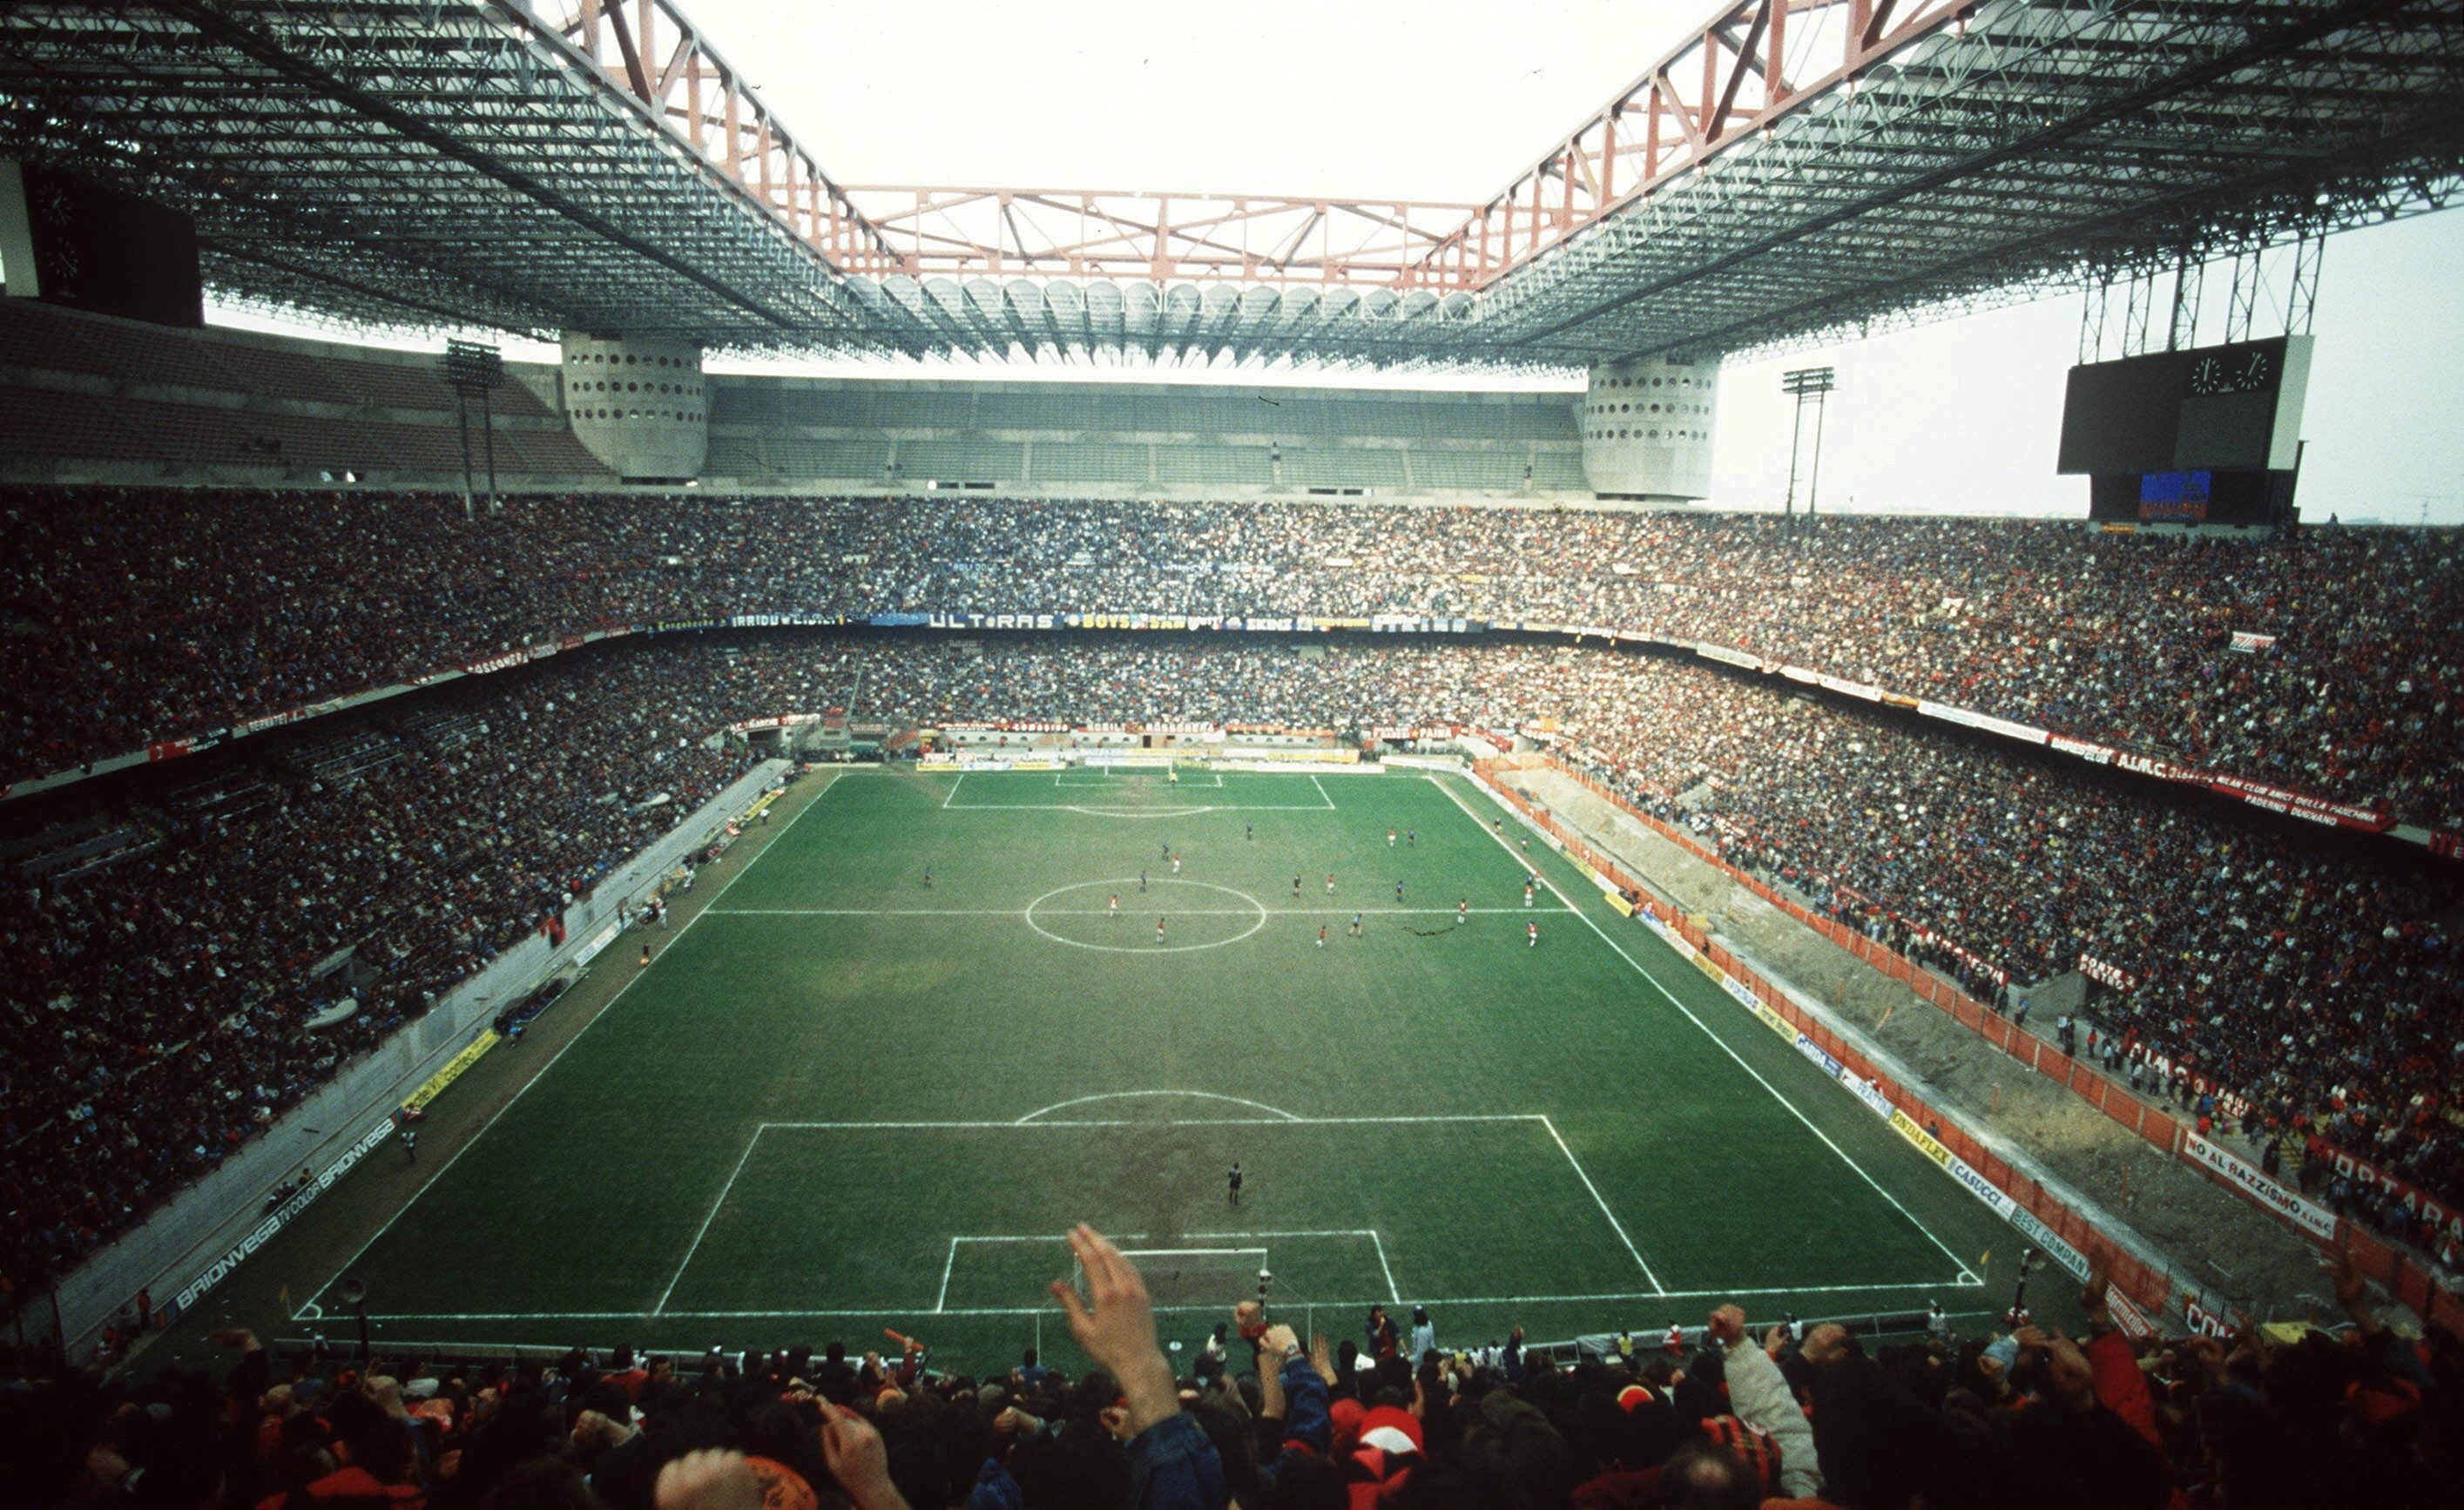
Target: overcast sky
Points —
{"points": [[1406, 99]]}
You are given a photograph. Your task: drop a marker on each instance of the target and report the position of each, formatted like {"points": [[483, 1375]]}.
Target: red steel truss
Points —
{"points": [[655, 54], [1100, 233], [1735, 76]]}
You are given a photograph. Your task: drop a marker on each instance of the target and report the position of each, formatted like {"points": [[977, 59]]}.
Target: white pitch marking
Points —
{"points": [[1594, 924], [1286, 1120], [568, 1045], [997, 911], [942, 1300], [1211, 1307], [1615, 1225], [1129, 1095], [1159, 947], [1385, 1267], [740, 1161]]}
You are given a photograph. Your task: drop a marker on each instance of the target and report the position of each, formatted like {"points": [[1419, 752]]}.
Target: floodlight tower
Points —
{"points": [[473, 369], [1805, 384]]}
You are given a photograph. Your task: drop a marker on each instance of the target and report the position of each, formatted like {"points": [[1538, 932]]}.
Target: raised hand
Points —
{"points": [[857, 1459], [1115, 1323]]}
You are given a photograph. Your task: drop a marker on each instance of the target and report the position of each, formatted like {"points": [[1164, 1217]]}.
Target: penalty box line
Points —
{"points": [[941, 1301], [1011, 912], [1281, 1119], [1725, 1047], [1325, 803]]}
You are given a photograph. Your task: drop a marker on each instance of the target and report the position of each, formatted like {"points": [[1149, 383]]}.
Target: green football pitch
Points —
{"points": [[944, 1015]]}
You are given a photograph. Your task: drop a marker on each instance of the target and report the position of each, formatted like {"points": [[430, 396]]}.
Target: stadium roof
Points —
{"points": [[1791, 169]]}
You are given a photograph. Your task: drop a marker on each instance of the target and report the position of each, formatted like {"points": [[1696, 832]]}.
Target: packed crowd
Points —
{"points": [[154, 1013], [1714, 1418], [161, 614]]}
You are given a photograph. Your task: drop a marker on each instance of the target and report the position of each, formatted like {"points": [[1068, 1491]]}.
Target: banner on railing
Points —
{"points": [[2430, 1212], [2314, 1219], [2114, 976]]}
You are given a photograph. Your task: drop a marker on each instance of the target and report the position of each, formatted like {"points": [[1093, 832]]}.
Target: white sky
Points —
{"points": [[1448, 102]]}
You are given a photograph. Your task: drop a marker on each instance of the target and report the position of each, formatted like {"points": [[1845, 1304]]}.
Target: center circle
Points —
{"points": [[1055, 902]]}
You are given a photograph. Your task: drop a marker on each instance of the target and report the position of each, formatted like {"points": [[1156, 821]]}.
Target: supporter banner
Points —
{"points": [[895, 621], [781, 621], [2447, 842], [2248, 644], [262, 1233], [773, 721], [2114, 976], [1617, 900], [2426, 1210], [1970, 719], [1005, 620], [2258, 794], [452, 1070], [1973, 961], [1840, 684], [2313, 1220], [1722, 653], [1038, 765]]}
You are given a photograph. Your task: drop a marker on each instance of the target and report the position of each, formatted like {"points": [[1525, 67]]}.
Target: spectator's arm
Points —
{"points": [[856, 1458], [1117, 1327], [1761, 1399]]}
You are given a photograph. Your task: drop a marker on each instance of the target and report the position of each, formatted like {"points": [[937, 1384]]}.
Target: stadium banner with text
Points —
{"points": [[1969, 718], [452, 1069], [2049, 1243], [2427, 1210], [2114, 976], [2127, 1314], [259, 1236], [2314, 1219]]}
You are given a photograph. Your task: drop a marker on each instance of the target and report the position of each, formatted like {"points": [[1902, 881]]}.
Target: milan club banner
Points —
{"points": [[2429, 1212], [2114, 976], [2248, 644], [2257, 793]]}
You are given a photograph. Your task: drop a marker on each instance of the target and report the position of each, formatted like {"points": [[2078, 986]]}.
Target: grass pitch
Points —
{"points": [[912, 1043]]}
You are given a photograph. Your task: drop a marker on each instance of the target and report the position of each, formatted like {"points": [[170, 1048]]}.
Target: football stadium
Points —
{"points": [[701, 816]]}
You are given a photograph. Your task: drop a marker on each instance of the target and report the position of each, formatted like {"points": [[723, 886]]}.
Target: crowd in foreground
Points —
{"points": [[156, 1012], [165, 613], [1718, 1419]]}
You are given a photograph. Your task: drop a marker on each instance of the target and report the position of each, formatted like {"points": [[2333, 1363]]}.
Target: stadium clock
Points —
{"points": [[2221, 372]]}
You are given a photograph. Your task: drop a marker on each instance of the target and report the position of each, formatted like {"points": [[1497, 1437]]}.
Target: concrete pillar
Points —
{"points": [[1647, 430], [638, 404]]}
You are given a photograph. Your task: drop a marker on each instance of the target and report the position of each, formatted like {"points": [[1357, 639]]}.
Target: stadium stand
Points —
{"points": [[2211, 652], [400, 839], [1723, 1412]]}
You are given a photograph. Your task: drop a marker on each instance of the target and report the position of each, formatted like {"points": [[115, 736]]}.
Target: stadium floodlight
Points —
{"points": [[1805, 384], [473, 368]]}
